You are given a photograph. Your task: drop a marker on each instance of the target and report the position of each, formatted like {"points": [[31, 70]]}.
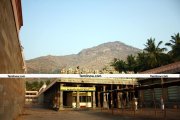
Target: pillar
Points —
{"points": [[105, 104], [77, 99], [121, 99], [99, 99], [127, 98], [94, 99], [118, 98], [140, 92], [61, 98]]}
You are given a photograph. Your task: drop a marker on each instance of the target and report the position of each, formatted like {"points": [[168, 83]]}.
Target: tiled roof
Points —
{"points": [[170, 68]]}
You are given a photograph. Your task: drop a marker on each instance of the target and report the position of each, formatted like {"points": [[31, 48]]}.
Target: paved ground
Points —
{"points": [[98, 114]]}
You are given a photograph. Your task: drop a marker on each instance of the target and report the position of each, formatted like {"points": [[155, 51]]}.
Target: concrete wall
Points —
{"points": [[11, 61]]}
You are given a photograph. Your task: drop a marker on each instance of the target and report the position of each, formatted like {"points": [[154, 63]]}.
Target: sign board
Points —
{"points": [[65, 88], [89, 75]]}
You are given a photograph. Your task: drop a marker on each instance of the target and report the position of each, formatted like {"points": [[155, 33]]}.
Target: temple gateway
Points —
{"points": [[87, 93]]}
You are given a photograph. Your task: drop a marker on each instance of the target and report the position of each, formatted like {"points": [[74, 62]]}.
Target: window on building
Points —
{"points": [[88, 98], [82, 98]]}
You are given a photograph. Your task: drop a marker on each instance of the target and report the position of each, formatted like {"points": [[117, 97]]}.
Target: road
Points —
{"points": [[35, 113]]}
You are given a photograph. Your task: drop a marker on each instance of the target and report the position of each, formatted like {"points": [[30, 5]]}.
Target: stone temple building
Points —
{"points": [[11, 59], [113, 92], [79, 93]]}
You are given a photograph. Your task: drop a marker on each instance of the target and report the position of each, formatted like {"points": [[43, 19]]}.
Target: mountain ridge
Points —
{"points": [[95, 58]]}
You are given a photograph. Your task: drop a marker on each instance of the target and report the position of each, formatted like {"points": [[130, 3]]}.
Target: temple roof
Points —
{"points": [[170, 68]]}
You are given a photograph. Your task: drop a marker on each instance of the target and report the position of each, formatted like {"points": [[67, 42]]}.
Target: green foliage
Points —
{"points": [[48, 82], [28, 85], [36, 85], [175, 47], [119, 65], [41, 84], [141, 61], [131, 63], [153, 56]]}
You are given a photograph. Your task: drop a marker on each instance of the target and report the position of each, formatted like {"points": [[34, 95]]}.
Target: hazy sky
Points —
{"points": [[62, 27]]}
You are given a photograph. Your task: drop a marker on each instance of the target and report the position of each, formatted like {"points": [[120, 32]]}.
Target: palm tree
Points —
{"points": [[175, 46], [154, 53]]}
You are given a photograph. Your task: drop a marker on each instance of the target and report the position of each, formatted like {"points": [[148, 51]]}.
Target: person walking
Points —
{"points": [[136, 103], [162, 103]]}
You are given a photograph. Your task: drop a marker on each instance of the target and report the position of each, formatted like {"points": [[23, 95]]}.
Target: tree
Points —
{"points": [[141, 62], [40, 84], [155, 54], [28, 85], [175, 47], [35, 85], [119, 65], [131, 63], [48, 82], [152, 56], [32, 85]]}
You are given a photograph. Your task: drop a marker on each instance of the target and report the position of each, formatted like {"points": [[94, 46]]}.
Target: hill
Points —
{"points": [[95, 58]]}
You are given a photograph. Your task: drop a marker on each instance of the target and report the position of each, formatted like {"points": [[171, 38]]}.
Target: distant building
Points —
{"points": [[11, 60], [31, 97]]}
